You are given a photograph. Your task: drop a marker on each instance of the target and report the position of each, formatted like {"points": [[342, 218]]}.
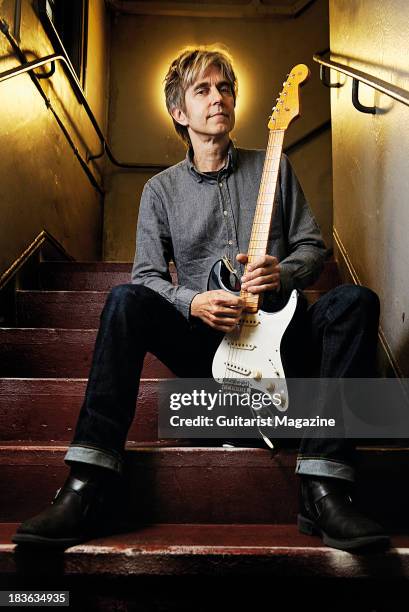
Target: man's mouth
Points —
{"points": [[219, 115]]}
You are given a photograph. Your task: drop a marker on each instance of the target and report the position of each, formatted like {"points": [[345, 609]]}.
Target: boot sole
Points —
{"points": [[308, 527], [104, 530], [27, 538]]}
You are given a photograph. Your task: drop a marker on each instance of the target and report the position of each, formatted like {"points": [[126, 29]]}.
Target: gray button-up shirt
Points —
{"points": [[195, 219]]}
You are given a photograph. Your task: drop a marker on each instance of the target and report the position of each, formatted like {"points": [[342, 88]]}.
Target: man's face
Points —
{"points": [[209, 105]]}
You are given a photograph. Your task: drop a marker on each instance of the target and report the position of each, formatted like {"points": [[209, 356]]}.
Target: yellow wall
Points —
{"points": [[371, 168], [42, 185], [264, 50]]}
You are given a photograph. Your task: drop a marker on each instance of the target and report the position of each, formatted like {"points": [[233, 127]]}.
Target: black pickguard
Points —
{"points": [[221, 277]]}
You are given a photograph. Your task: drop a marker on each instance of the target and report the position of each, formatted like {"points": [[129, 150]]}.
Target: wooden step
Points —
{"points": [[217, 550], [61, 353], [61, 309], [75, 309], [86, 276], [83, 276], [202, 484], [163, 484], [42, 409], [102, 276]]}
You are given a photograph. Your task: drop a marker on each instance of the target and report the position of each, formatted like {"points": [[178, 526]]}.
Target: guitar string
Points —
{"points": [[275, 140], [233, 353], [268, 188], [244, 337]]}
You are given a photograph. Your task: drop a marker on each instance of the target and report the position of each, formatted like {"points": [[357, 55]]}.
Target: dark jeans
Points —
{"points": [[341, 329]]}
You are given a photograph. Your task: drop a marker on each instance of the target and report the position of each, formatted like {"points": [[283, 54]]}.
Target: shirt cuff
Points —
{"points": [[286, 280], [184, 299]]}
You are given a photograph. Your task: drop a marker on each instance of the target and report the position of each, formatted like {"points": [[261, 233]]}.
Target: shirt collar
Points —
{"points": [[226, 171]]}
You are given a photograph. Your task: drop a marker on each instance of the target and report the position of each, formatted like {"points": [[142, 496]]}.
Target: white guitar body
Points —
{"points": [[252, 353]]}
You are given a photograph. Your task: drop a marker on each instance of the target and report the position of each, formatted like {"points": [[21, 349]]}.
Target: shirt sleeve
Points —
{"points": [[154, 251], [306, 250]]}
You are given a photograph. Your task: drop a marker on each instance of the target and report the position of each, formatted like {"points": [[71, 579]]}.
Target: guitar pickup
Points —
{"points": [[239, 369], [249, 322], [242, 346]]}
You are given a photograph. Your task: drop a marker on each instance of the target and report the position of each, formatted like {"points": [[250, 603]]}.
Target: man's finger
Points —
{"points": [[224, 328], [226, 312], [255, 274], [227, 299], [262, 261], [261, 280], [267, 273], [223, 320], [262, 288]]}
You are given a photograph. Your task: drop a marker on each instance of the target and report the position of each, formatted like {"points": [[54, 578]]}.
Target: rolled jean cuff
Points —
{"points": [[84, 454], [324, 467]]}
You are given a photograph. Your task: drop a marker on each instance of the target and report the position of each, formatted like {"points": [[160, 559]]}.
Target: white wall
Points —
{"points": [[371, 161]]}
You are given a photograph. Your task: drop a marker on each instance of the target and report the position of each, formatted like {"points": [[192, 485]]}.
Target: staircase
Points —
{"points": [[194, 510]]}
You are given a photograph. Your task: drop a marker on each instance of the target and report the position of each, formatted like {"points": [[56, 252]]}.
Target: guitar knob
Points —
{"points": [[271, 387], [257, 375]]}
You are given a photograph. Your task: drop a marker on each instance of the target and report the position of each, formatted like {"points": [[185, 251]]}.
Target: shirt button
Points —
{"points": [[225, 213], [230, 242], [220, 184]]}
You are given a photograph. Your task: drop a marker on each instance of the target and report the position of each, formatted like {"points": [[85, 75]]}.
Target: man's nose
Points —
{"points": [[216, 96]]}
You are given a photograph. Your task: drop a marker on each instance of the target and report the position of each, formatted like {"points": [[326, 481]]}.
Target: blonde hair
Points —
{"points": [[183, 72]]}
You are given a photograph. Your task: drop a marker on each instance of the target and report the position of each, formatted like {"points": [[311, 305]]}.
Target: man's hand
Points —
{"points": [[262, 274], [219, 309]]}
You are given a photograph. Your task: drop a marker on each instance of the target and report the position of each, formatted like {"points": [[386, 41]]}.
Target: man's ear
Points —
{"points": [[179, 116]]}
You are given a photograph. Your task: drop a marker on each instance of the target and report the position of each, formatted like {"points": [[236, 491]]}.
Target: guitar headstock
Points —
{"points": [[288, 103]]}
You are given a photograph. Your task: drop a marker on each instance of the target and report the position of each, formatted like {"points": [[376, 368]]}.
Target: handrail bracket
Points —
{"points": [[324, 76], [355, 100]]}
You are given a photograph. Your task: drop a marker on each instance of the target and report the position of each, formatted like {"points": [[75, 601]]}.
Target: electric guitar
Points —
{"points": [[250, 356]]}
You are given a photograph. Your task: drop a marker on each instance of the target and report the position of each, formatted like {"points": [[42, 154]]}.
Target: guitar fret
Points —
{"points": [[265, 205]]}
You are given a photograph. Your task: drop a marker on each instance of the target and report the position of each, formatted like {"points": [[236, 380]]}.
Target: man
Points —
{"points": [[194, 213]]}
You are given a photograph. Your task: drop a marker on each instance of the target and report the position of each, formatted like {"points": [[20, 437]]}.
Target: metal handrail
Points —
{"points": [[397, 93], [75, 84]]}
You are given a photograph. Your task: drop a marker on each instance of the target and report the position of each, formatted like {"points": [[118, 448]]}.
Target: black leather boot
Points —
{"points": [[81, 510], [327, 509]]}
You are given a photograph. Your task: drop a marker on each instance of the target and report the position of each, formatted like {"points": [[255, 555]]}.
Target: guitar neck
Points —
{"points": [[265, 209]]}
